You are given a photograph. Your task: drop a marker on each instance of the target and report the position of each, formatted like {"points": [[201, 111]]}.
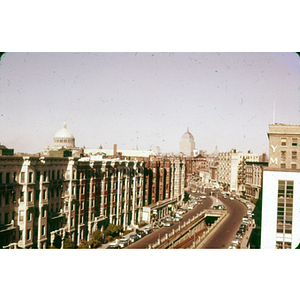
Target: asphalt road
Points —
{"points": [[225, 234], [161, 232]]}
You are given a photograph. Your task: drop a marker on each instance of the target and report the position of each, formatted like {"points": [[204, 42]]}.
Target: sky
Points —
{"points": [[147, 99]]}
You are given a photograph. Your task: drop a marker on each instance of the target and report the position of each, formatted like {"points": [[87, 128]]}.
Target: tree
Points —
{"points": [[68, 244], [113, 230], [95, 242], [97, 235], [83, 245]]}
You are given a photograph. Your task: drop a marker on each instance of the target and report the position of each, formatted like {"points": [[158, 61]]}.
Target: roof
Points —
{"points": [[64, 132]]}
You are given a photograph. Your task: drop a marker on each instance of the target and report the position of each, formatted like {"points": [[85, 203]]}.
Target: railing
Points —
{"points": [[183, 230]]}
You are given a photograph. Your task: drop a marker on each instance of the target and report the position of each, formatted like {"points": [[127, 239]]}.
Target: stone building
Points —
{"points": [[229, 167], [187, 144], [280, 224]]}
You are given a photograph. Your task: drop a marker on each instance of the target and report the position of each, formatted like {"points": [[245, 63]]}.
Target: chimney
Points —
{"points": [[115, 149]]}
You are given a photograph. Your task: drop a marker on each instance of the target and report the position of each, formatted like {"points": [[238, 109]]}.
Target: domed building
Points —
{"points": [[187, 144], [63, 139]]}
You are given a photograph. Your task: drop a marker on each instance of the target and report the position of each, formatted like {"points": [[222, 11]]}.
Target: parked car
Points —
{"points": [[157, 225], [124, 242], [235, 242], [148, 230], [133, 237], [232, 247], [167, 222], [191, 206], [224, 196], [140, 233], [177, 218], [113, 246]]}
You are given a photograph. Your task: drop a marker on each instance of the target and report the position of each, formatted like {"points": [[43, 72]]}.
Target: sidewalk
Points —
{"points": [[247, 234]]}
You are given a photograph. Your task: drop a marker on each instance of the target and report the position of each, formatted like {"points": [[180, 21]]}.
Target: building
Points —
{"points": [[230, 164], [187, 144], [280, 224], [252, 177], [63, 139]]}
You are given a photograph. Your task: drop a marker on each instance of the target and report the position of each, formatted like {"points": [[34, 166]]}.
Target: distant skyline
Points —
{"points": [[147, 99]]}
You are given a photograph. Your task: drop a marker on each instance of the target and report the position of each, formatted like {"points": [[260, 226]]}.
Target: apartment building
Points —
{"points": [[229, 166], [280, 227]]}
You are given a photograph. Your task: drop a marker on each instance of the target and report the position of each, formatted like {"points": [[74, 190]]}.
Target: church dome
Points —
{"points": [[64, 132], [64, 138]]}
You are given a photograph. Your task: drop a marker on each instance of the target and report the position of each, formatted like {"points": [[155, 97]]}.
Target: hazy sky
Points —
{"points": [[148, 99]]}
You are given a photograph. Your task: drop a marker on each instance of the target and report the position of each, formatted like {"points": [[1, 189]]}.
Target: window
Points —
{"points": [[294, 142], [294, 166], [0, 199], [72, 222], [21, 215], [6, 217], [282, 166], [7, 177], [38, 175], [283, 141], [29, 216], [43, 229], [53, 175], [30, 177], [294, 155], [28, 234], [6, 199], [283, 155], [82, 205], [45, 175], [29, 196], [81, 219], [44, 194], [44, 212], [284, 212]]}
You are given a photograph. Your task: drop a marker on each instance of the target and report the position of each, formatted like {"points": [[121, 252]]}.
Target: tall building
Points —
{"points": [[187, 144], [229, 166], [280, 224]]}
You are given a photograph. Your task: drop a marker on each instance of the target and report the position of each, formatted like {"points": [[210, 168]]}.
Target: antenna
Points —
{"points": [[274, 113]]}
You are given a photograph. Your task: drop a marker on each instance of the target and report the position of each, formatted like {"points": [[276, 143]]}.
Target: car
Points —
{"points": [[114, 246], [238, 236], [191, 206], [240, 231], [235, 242], [157, 225], [167, 222], [203, 197], [133, 237], [148, 230], [124, 242], [140, 233], [231, 198], [232, 247], [224, 196], [177, 218]]}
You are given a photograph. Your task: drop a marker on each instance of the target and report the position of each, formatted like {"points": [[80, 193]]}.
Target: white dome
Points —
{"points": [[64, 132], [64, 138]]}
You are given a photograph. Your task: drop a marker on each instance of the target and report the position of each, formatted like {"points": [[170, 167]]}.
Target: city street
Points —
{"points": [[159, 233]]}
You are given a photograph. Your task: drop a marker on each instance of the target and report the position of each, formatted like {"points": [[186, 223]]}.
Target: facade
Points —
{"points": [[280, 227], [230, 164], [187, 144], [253, 178]]}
